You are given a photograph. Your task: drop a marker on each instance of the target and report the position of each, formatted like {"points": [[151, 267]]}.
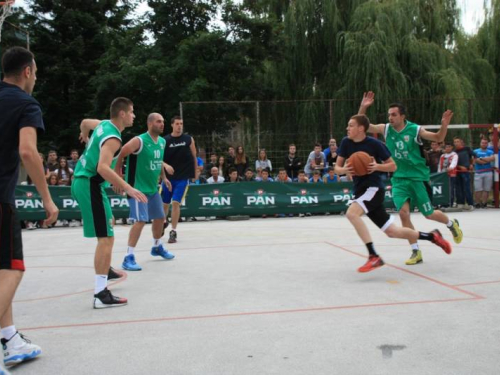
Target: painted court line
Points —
{"points": [[479, 283]]}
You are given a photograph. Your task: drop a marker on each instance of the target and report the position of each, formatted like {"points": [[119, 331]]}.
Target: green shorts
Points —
{"points": [[417, 193], [94, 206]]}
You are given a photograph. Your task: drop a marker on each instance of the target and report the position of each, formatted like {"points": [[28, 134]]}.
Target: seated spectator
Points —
{"points": [[64, 172], [330, 177], [292, 163], [53, 180], [433, 156], [73, 158], [483, 177], [448, 163], [248, 175], [258, 176], [221, 166], [315, 161], [212, 163], [198, 178], [302, 177], [262, 161], [283, 177], [233, 176], [240, 161], [216, 178], [331, 153], [52, 163], [265, 176], [316, 177]]}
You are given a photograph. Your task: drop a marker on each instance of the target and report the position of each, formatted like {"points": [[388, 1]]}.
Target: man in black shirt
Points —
{"points": [[369, 192], [180, 157], [292, 163], [465, 165], [20, 122]]}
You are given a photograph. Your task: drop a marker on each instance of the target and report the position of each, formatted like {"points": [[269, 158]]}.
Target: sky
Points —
{"points": [[472, 14]]}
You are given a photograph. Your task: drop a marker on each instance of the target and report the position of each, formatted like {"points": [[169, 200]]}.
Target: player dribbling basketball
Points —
{"points": [[369, 192]]}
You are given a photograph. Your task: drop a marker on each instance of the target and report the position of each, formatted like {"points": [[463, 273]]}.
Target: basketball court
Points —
{"points": [[267, 296]]}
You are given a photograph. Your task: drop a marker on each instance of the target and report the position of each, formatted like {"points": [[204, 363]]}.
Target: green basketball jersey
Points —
{"points": [[87, 165], [406, 149], [144, 166]]}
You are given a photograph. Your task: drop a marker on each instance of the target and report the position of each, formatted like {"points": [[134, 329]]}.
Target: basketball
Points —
{"points": [[359, 162]]}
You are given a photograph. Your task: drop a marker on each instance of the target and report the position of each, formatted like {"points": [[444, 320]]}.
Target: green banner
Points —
{"points": [[246, 198]]}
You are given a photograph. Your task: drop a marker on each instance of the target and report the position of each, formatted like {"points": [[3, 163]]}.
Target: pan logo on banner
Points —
{"points": [[343, 197], [216, 198], [261, 199], [304, 198]]}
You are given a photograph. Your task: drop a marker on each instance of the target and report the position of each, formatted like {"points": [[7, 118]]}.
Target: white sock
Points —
{"points": [[450, 224], [414, 246], [130, 250], [157, 242], [9, 332], [101, 282]]}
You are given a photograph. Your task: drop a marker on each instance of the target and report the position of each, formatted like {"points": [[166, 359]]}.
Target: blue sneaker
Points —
{"points": [[160, 251], [129, 263]]}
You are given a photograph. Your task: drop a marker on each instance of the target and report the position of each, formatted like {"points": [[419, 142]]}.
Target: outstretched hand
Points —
{"points": [[368, 99], [84, 138], [447, 116]]}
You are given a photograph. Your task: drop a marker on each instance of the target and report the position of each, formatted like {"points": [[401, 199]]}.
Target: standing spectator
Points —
{"points": [[433, 156], [64, 172], [231, 156], [483, 177], [262, 161], [448, 163], [221, 166], [330, 177], [52, 163], [241, 161], [199, 161], [464, 167], [315, 161], [302, 177], [316, 177], [265, 176], [292, 163], [73, 158], [216, 178], [248, 176], [233, 176], [283, 177], [212, 163], [331, 153]]}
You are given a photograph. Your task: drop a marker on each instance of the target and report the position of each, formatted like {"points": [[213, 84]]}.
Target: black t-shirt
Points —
{"points": [[17, 110], [178, 154], [372, 147], [464, 156]]}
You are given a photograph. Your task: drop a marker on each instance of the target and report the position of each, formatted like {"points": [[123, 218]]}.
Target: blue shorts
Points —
{"points": [[178, 190], [146, 211]]}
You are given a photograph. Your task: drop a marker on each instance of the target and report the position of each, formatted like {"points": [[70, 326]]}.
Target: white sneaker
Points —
{"points": [[65, 223], [19, 349], [73, 223], [30, 225]]}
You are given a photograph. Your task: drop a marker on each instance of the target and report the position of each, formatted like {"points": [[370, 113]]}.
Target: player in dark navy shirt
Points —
{"points": [[369, 191], [20, 122]]}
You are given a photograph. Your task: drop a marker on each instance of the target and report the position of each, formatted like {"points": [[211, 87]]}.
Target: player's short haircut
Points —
{"points": [[172, 120], [317, 145], [15, 59], [152, 117], [401, 108], [119, 104], [231, 170], [362, 120]]}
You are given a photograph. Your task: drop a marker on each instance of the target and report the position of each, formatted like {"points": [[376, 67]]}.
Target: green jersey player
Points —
{"points": [[410, 182]]}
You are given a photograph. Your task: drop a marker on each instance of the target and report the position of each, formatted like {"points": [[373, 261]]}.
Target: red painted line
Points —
{"points": [[254, 313], [479, 283], [474, 295], [111, 283], [395, 245]]}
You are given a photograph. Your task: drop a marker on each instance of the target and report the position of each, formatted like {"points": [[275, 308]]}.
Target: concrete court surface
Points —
{"points": [[267, 296]]}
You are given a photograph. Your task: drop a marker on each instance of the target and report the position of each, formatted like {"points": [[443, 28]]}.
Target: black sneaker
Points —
{"points": [[112, 274], [484, 205], [105, 299], [173, 237], [478, 205]]}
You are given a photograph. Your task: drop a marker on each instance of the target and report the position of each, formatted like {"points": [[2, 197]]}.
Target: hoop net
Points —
{"points": [[5, 12]]}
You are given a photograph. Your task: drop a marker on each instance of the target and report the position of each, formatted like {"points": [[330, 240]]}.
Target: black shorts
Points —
{"points": [[371, 200], [11, 244]]}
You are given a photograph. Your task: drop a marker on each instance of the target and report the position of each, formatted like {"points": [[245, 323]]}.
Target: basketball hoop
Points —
{"points": [[5, 11]]}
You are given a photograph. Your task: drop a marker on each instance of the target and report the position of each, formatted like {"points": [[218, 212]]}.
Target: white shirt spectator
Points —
{"points": [[263, 164], [220, 180], [64, 175]]}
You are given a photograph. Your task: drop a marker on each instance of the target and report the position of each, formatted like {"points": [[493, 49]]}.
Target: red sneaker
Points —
{"points": [[440, 241], [374, 261]]}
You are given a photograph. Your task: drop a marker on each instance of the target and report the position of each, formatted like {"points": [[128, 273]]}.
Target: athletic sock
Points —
{"points": [[450, 224], [101, 282], [156, 242], [9, 332], [414, 247], [425, 236], [371, 249], [130, 250]]}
